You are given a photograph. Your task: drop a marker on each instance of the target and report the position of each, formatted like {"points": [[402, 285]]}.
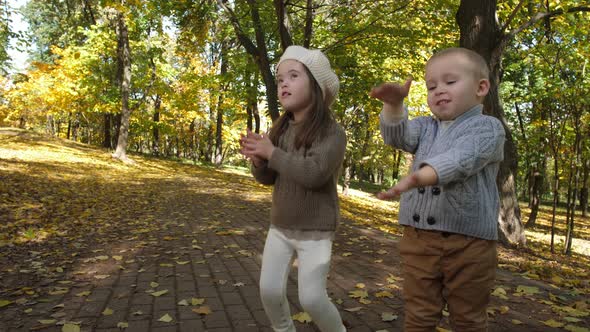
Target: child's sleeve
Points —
{"points": [[400, 132], [263, 174], [468, 154], [318, 166]]}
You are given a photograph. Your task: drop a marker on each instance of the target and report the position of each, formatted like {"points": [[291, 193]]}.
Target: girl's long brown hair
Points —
{"points": [[315, 125]]}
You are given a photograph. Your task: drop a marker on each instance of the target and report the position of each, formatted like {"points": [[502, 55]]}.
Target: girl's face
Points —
{"points": [[294, 88]]}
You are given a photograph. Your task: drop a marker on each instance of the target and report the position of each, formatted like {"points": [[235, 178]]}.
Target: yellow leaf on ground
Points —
{"points": [[159, 293], [122, 325], [527, 290], [70, 327], [47, 321], [107, 312], [196, 301], [516, 322], [346, 254], [358, 294], [302, 317], [355, 309], [154, 284], [4, 303], [500, 292], [384, 294], [84, 293], [360, 285], [166, 319], [365, 301], [183, 303], [388, 316], [204, 310], [574, 328], [552, 323]]}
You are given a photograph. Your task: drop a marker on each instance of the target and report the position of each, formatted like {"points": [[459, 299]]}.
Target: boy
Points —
{"points": [[450, 201]]}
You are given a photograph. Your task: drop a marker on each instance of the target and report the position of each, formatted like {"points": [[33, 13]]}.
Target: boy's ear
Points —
{"points": [[483, 87]]}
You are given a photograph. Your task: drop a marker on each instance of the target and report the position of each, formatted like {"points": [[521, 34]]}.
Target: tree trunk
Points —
{"points": [[124, 75], [480, 32], [218, 160], [107, 137], [155, 127], [257, 51], [535, 196], [584, 190], [346, 176]]}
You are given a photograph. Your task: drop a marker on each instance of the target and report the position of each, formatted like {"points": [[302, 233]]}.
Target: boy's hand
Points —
{"points": [[425, 176], [405, 184], [392, 93]]}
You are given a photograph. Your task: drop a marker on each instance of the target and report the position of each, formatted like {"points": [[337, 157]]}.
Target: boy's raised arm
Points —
{"points": [[392, 95]]}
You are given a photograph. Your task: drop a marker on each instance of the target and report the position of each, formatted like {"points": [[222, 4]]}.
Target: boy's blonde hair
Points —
{"points": [[480, 66]]}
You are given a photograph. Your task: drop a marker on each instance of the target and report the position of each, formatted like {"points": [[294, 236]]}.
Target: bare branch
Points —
{"points": [[539, 16], [512, 15]]}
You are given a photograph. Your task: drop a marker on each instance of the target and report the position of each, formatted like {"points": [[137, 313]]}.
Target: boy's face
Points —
{"points": [[453, 87]]}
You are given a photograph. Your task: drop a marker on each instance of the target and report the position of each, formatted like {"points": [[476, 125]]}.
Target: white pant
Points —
{"points": [[314, 263]]}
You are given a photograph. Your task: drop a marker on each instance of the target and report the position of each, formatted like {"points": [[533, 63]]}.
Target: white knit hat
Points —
{"points": [[319, 66]]}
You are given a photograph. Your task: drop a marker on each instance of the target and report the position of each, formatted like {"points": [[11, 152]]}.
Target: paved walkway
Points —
{"points": [[207, 249]]}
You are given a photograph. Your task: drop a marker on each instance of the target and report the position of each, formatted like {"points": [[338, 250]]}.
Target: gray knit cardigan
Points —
{"points": [[466, 158]]}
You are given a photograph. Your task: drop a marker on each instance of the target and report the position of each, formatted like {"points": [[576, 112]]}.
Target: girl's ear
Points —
{"points": [[483, 87]]}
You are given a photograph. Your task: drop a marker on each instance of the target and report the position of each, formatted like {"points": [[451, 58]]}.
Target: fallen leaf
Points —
{"points": [[197, 301], [355, 309], [69, 327], [388, 316], [500, 292], [552, 323], [574, 328], [166, 319], [384, 294], [204, 310], [358, 294], [302, 317], [122, 325], [527, 290], [159, 293], [107, 312]]}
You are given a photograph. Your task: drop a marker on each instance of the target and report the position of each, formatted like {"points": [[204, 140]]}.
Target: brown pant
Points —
{"points": [[441, 267]]}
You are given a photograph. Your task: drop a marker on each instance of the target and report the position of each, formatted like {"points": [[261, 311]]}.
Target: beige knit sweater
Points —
{"points": [[304, 195]]}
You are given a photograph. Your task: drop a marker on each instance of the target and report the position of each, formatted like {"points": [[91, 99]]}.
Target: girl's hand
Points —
{"points": [[255, 145]]}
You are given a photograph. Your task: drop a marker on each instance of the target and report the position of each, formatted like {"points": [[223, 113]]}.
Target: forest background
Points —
{"points": [[183, 79]]}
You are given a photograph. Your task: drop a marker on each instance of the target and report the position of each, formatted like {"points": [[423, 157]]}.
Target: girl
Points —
{"points": [[301, 157]]}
